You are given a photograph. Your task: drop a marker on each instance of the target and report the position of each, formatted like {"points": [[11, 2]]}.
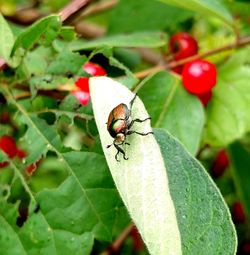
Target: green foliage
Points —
{"points": [[240, 168], [6, 39], [43, 31], [157, 16], [202, 218], [204, 7], [228, 117], [168, 103], [142, 39], [63, 192]]}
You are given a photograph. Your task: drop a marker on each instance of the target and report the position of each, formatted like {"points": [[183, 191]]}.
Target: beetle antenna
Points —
{"points": [[132, 101]]}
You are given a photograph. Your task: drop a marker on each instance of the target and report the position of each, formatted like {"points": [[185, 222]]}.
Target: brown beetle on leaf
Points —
{"points": [[119, 124]]}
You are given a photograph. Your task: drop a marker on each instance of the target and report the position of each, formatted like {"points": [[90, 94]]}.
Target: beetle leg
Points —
{"points": [[137, 120], [119, 149], [138, 133], [109, 145]]}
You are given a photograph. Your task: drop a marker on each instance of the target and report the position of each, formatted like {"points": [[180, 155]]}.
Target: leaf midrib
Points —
{"points": [[167, 102]]}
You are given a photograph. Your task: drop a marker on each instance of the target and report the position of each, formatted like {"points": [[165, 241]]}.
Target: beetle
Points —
{"points": [[119, 124]]}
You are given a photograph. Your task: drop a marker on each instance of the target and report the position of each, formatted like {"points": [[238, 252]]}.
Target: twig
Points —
{"points": [[150, 56], [50, 93], [150, 71], [98, 7], [89, 30], [25, 16], [239, 43], [116, 245], [73, 8]]}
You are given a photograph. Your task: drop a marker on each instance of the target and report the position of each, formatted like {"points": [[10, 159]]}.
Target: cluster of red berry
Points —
{"points": [[198, 76], [82, 83]]}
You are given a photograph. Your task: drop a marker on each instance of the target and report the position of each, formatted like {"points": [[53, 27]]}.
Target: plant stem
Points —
{"points": [[116, 245], [239, 43], [98, 7], [72, 9]]}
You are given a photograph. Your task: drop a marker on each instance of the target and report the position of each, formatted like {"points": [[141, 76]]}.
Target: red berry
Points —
{"points": [[244, 248], [94, 69], [238, 213], [199, 76], [177, 69], [220, 164], [183, 45], [21, 153], [205, 98], [82, 96], [4, 164], [5, 117], [8, 145], [83, 84]]}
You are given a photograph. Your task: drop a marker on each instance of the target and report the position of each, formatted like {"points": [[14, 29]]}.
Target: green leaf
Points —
{"points": [[228, 113], [38, 134], [87, 196], [203, 217], [148, 40], [6, 39], [141, 180], [173, 109], [204, 7], [43, 31], [156, 15], [240, 158], [9, 241], [66, 62]]}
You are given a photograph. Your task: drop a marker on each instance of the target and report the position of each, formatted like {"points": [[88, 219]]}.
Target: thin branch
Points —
{"points": [[69, 113], [89, 30], [116, 245], [150, 56], [25, 16], [50, 93], [239, 43], [150, 71], [73, 8], [98, 7]]}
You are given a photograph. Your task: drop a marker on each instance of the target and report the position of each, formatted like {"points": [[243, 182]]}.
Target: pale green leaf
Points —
{"points": [[141, 180], [6, 39]]}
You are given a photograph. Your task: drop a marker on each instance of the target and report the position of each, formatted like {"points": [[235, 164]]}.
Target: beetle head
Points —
{"points": [[120, 137]]}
